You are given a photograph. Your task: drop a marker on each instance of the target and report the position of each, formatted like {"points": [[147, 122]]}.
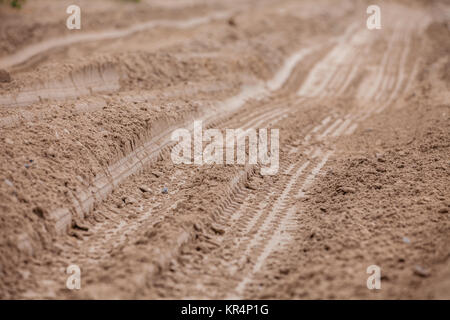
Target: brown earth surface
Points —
{"points": [[87, 178]]}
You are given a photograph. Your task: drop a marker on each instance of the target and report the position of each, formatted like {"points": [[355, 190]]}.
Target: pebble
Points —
{"points": [[4, 76], [146, 195], [144, 188], [78, 224], [76, 234], [50, 152], [348, 189], [129, 200], [120, 204], [421, 272], [251, 186], [443, 210], [217, 229], [380, 157], [284, 271], [9, 141], [9, 183], [157, 173], [165, 190], [406, 240], [28, 165], [232, 22], [39, 212]]}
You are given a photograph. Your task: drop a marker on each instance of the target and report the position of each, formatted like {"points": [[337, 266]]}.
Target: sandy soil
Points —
{"points": [[86, 118]]}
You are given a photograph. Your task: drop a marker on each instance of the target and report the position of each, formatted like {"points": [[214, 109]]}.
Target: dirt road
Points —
{"points": [[87, 177]]}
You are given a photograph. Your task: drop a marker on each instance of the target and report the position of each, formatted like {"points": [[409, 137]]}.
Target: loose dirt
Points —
{"points": [[86, 175]]}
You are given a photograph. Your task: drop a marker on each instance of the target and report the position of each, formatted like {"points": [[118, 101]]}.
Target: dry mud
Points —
{"points": [[86, 119]]}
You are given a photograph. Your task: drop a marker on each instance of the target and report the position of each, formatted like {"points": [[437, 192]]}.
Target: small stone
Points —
{"points": [[50, 152], [79, 178], [9, 141], [147, 195], [348, 190], [284, 271], [251, 186], [157, 173], [129, 200], [9, 183], [144, 188], [421, 272], [406, 240], [120, 204], [79, 225], [23, 243], [232, 22], [165, 190], [39, 212], [75, 234], [104, 133], [380, 157], [4, 76], [217, 229], [443, 210]]}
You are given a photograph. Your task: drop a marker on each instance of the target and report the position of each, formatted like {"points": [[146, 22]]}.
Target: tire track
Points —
{"points": [[266, 238], [33, 50], [136, 160], [267, 235], [260, 222]]}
